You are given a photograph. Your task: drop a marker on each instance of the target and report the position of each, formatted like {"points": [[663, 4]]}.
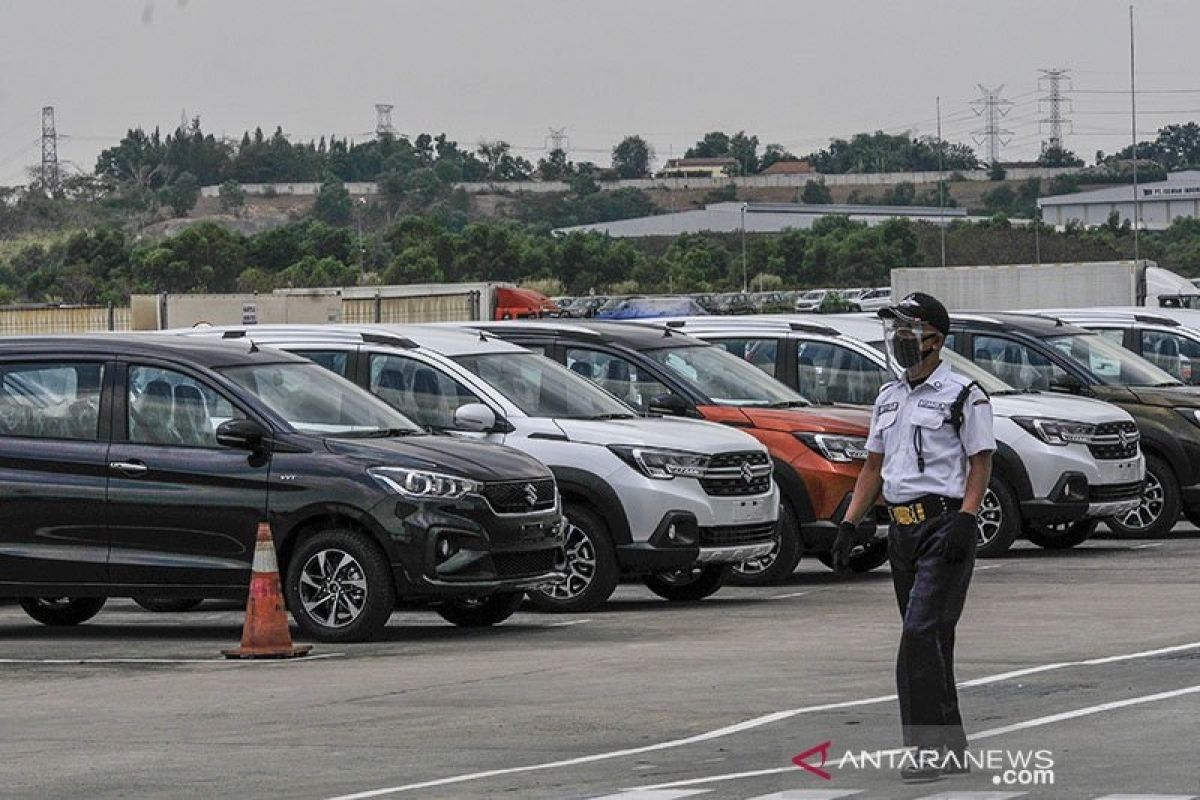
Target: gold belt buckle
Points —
{"points": [[902, 515]]}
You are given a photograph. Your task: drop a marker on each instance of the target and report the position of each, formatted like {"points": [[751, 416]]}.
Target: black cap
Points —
{"points": [[920, 307]]}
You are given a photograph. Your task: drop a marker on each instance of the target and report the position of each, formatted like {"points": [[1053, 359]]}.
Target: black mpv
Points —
{"points": [[137, 466]]}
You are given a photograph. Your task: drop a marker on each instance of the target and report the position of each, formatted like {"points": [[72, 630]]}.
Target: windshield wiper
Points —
{"points": [[789, 404], [383, 433], [618, 415]]}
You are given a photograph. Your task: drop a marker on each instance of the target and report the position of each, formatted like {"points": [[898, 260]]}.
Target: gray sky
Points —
{"points": [[792, 71]]}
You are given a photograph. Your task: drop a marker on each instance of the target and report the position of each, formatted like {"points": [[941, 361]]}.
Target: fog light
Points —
{"points": [[445, 548], [672, 535]]}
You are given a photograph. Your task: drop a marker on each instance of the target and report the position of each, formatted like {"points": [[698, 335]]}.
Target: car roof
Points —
{"points": [[764, 323], [1024, 322], [444, 339], [202, 352], [1128, 316], [644, 335]]}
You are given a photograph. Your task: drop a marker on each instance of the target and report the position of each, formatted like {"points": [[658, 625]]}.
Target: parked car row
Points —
{"points": [[725, 304], [465, 466]]}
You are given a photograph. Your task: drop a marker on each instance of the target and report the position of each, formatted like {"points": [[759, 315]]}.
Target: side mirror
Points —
{"points": [[241, 434], [1067, 384], [671, 405], [475, 417]]}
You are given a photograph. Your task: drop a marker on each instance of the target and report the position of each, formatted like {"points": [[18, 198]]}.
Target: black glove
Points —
{"points": [[846, 536], [959, 538]]}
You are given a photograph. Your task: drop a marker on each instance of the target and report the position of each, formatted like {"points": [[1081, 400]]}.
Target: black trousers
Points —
{"points": [[931, 594]]}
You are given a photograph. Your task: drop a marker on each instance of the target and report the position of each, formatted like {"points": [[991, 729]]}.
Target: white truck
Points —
{"points": [[1085, 284]]}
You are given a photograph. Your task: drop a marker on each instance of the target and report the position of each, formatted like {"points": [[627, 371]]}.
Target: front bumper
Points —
{"points": [[1074, 499], [644, 500], [448, 549], [679, 542]]}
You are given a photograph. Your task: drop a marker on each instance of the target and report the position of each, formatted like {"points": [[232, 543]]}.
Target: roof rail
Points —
{"points": [[1154, 319]]}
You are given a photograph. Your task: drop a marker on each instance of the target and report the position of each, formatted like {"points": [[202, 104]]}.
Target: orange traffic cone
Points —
{"points": [[265, 634]]}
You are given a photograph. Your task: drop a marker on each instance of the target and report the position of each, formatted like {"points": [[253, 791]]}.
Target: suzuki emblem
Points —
{"points": [[1124, 437], [531, 494], [747, 472]]}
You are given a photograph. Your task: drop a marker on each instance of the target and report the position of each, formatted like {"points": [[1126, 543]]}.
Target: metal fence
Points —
{"points": [[29, 320]]}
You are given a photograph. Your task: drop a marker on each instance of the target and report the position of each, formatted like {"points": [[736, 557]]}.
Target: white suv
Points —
{"points": [[1059, 468], [676, 501]]}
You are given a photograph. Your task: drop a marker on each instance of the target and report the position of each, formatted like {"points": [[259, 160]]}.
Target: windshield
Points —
{"points": [[312, 399], [543, 388], [725, 378], [1112, 364]]}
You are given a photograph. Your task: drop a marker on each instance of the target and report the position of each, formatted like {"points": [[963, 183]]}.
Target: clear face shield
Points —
{"points": [[908, 342]]}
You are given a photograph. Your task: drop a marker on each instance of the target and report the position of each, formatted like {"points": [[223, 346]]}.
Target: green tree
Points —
{"points": [[774, 153], [1059, 157], [333, 205], [631, 158], [232, 196], [815, 193], [555, 166], [182, 194], [714, 145], [744, 150]]}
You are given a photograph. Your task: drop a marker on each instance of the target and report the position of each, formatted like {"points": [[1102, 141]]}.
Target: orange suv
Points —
{"points": [[818, 451]]}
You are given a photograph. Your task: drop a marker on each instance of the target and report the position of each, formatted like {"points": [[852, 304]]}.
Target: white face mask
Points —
{"points": [[906, 341]]}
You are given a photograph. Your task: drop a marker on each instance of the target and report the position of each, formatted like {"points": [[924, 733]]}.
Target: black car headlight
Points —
{"points": [[1057, 431], [420, 484], [662, 464], [835, 447]]}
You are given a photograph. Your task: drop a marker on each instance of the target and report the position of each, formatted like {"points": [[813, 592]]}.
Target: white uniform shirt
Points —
{"points": [[901, 410]]}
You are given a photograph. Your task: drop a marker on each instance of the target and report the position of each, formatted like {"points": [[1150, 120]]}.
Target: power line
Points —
{"points": [[557, 139], [49, 172], [383, 120]]}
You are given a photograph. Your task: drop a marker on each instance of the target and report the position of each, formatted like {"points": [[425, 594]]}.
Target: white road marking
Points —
{"points": [[653, 795], [277, 661], [808, 794], [728, 730], [988, 566], [785, 596], [988, 734], [1084, 712], [567, 622], [1146, 546], [972, 796], [1147, 797]]}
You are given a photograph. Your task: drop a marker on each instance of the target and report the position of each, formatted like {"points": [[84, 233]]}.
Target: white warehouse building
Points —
{"points": [[1160, 203]]}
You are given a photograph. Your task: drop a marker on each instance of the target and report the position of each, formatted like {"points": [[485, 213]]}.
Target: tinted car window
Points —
{"points": [[51, 400], [426, 395], [169, 408], [336, 361], [542, 388], [831, 373], [617, 375], [1178, 355], [1016, 364], [759, 352]]}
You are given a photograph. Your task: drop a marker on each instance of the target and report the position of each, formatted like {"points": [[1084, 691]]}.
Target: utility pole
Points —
{"points": [[1137, 206], [992, 107], [1055, 105], [383, 120], [941, 182], [745, 283], [49, 172]]}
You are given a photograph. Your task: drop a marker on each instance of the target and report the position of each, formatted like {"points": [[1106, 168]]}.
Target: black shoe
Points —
{"points": [[920, 774], [955, 762]]}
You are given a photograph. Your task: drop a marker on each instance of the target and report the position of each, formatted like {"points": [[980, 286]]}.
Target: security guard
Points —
{"points": [[930, 452]]}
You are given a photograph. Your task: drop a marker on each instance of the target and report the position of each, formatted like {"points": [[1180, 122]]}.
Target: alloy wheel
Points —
{"points": [[990, 518], [761, 564], [333, 588], [581, 565], [1151, 507]]}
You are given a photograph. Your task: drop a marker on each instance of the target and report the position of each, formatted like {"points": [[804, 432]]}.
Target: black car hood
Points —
{"points": [[1165, 396], [480, 461]]}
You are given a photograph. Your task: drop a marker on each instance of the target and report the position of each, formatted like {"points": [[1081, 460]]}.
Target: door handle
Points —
{"points": [[130, 468]]}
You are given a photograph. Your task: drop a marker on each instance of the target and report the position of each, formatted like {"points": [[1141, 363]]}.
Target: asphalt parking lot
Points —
{"points": [[1091, 655]]}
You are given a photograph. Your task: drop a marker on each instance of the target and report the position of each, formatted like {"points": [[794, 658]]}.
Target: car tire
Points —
{"points": [[62, 611], [999, 520], [351, 565], [591, 565], [1062, 536], [780, 563], [481, 612], [874, 555], [688, 585], [167, 605], [1160, 507]]}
